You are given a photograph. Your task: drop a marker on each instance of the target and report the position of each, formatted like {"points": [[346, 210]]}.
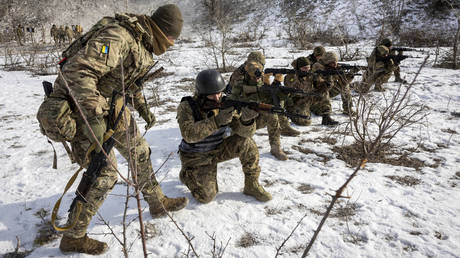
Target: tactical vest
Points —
{"points": [[207, 144]]}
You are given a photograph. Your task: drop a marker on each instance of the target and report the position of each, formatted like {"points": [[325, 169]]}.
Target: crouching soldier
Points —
{"points": [[206, 143]]}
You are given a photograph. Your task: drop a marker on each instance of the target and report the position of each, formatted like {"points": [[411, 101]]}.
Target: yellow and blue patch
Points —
{"points": [[105, 49]]}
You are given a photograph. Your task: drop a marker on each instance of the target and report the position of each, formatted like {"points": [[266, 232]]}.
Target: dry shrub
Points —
{"points": [[247, 240], [426, 38]]}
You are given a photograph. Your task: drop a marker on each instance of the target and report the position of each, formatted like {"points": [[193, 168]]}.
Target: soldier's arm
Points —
{"points": [[192, 131], [241, 129], [84, 70]]}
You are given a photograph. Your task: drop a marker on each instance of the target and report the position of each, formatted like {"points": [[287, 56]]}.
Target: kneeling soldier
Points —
{"points": [[204, 128]]}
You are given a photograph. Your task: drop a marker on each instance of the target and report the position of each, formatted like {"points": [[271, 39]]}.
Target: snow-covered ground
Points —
{"points": [[382, 218]]}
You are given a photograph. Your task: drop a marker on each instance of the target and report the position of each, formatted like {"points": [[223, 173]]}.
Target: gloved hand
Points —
{"points": [[148, 116], [98, 126], [224, 117], [248, 114]]}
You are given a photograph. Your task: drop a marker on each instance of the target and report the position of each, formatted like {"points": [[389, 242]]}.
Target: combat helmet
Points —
{"points": [[257, 56], [386, 42], [329, 57], [209, 82], [319, 51]]}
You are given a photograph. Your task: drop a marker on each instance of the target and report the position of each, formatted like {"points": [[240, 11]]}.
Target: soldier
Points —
{"points": [[302, 105], [54, 34], [332, 83], [318, 52], [205, 143], [69, 34], [379, 68], [397, 70], [78, 31], [245, 82], [61, 35], [20, 34], [93, 75]]}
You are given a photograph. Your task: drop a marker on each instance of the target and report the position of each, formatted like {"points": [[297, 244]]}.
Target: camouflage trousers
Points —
{"points": [[345, 94], [199, 170], [320, 105], [378, 76], [272, 123], [140, 151]]}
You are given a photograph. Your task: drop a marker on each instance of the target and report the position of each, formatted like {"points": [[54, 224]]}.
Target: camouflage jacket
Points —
{"points": [[95, 71], [195, 131], [244, 90]]}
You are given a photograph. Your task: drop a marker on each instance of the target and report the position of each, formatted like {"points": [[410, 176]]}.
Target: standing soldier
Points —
{"points": [[204, 143], [303, 80], [94, 77], [379, 68], [54, 34], [397, 70], [78, 31], [69, 34], [20, 34], [245, 83]]}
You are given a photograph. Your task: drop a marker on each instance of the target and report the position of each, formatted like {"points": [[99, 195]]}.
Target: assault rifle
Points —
{"points": [[98, 160], [396, 58], [399, 49], [337, 71], [351, 67], [276, 90], [48, 88], [256, 106]]}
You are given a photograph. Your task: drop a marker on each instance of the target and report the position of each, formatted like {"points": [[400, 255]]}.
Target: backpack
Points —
{"points": [[55, 117]]}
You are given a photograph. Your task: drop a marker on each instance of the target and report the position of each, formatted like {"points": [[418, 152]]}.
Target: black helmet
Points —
{"points": [[209, 82], [386, 42]]}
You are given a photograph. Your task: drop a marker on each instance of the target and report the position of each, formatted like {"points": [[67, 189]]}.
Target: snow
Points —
{"points": [[391, 220]]}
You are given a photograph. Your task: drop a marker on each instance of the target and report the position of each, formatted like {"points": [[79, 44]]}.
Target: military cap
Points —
{"points": [[256, 56], [301, 62], [169, 19], [329, 57], [319, 51], [386, 42]]}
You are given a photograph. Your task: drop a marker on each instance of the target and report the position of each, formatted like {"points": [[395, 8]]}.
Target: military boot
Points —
{"points": [[278, 152], [253, 188], [286, 129], [401, 80], [82, 245], [159, 204], [327, 120]]}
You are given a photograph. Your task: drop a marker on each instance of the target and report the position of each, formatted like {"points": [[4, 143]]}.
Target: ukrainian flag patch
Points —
{"points": [[105, 49]]}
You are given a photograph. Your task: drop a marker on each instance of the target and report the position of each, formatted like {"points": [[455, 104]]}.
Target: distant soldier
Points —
{"points": [[54, 34], [397, 70], [78, 31], [302, 105], [245, 82], [69, 34], [61, 35], [205, 143], [20, 34]]}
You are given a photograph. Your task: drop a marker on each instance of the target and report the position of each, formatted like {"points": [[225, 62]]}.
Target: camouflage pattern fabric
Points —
{"points": [[303, 105], [20, 34], [93, 73], [54, 34], [378, 72], [69, 33], [199, 170]]}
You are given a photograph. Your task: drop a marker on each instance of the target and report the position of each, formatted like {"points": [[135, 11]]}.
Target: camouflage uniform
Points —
{"points": [[54, 34], [199, 161], [61, 35], [93, 74], [20, 34], [69, 34], [336, 84], [379, 69], [302, 105], [245, 84]]}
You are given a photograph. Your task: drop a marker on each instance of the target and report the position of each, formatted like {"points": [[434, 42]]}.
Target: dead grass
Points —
{"points": [[269, 211], [352, 155], [268, 183], [247, 240], [46, 232], [305, 188], [405, 180]]}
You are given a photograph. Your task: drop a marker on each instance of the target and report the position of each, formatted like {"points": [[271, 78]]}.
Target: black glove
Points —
{"points": [[224, 117]]}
